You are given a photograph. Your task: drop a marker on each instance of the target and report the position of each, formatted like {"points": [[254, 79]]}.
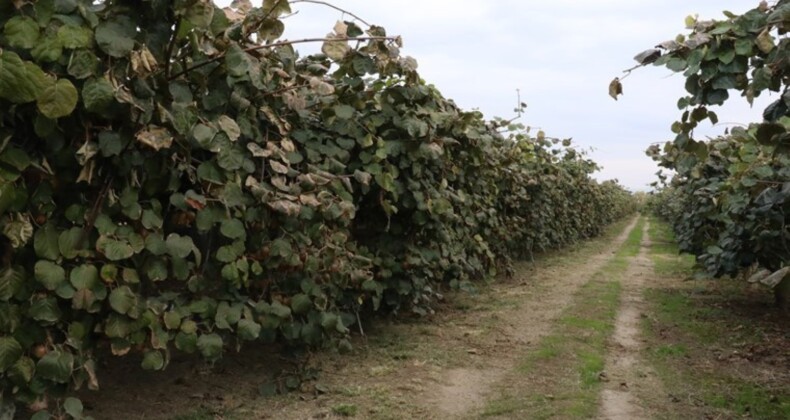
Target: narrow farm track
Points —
{"points": [[481, 346], [464, 390], [627, 376]]}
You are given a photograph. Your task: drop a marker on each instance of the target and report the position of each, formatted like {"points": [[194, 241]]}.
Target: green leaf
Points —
{"points": [[68, 242], [11, 280], [21, 373], [65, 6], [116, 37], [85, 276], [210, 172], [172, 320], [117, 326], [233, 229], [83, 64], [21, 32], [45, 242], [153, 360], [58, 99], [56, 366], [155, 244], [109, 273], [114, 249], [344, 112], [73, 37], [231, 158], [20, 81], [123, 299], [98, 95], [151, 220], [49, 274], [210, 346], [203, 134], [767, 131], [281, 247], [200, 14], [10, 352], [45, 310], [156, 270], [301, 303], [47, 49], [179, 246], [186, 342], [248, 329], [276, 8], [73, 407], [110, 143], [237, 61], [279, 310]]}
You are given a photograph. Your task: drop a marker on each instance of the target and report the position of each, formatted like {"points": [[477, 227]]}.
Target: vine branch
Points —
{"points": [[332, 6], [170, 46]]}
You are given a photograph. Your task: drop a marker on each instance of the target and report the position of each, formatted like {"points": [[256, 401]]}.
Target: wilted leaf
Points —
{"points": [[18, 230], [286, 207], [615, 88], [155, 137], [765, 42], [648, 56], [335, 48], [230, 127], [278, 167]]}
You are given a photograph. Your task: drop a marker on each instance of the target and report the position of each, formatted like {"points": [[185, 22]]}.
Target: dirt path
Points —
{"points": [[627, 375], [464, 390]]}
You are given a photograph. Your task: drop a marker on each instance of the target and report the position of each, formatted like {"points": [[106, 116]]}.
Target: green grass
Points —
{"points": [[572, 357], [671, 350], [689, 319], [345, 410]]}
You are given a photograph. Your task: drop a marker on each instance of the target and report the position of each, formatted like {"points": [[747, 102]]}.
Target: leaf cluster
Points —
{"points": [[728, 199]]}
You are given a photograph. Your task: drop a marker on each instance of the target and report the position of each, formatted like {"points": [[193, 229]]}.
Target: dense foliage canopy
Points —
{"points": [[729, 197], [176, 178]]}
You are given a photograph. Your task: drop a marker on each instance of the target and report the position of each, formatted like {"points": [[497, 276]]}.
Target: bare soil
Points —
{"points": [[628, 378]]}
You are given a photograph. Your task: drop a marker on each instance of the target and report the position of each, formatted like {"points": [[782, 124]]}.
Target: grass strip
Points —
{"points": [[561, 378], [693, 333]]}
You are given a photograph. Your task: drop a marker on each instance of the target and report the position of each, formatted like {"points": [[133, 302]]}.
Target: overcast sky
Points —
{"points": [[560, 54]]}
